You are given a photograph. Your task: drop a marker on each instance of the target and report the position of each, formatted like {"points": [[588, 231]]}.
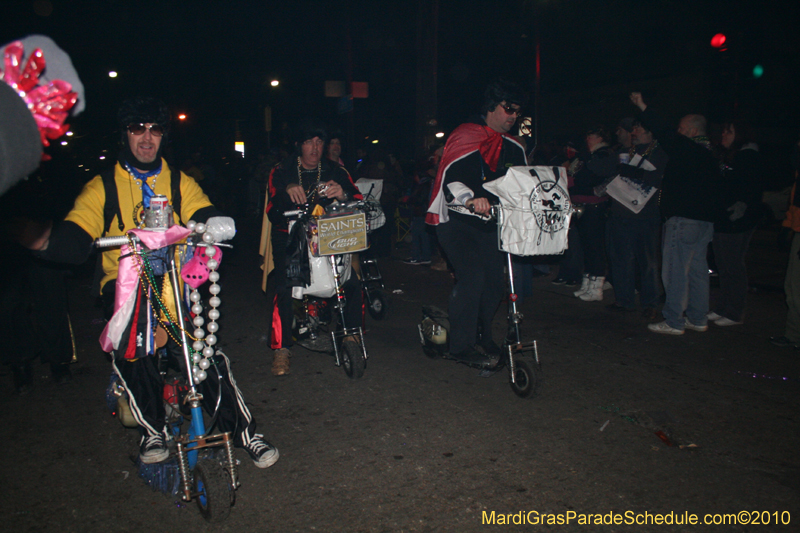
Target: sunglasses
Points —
{"points": [[138, 129], [512, 110]]}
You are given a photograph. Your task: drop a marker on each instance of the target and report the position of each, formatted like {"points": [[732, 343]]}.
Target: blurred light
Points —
{"points": [[102, 157], [182, 117], [112, 74], [374, 141], [274, 83], [63, 143], [718, 40], [758, 71], [239, 147], [70, 134], [439, 135]]}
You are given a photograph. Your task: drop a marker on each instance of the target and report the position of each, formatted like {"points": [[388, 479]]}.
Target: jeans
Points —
{"points": [[684, 270], [729, 252], [635, 244]]}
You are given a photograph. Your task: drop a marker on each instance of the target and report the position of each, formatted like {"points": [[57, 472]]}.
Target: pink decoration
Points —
{"points": [[195, 272], [49, 104]]}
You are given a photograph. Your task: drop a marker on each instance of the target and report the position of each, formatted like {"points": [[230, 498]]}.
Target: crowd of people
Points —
{"points": [[651, 202]]}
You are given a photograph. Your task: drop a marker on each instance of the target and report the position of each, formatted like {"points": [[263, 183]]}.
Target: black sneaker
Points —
{"points": [[153, 450], [473, 357], [559, 281], [416, 262], [262, 452], [783, 342]]}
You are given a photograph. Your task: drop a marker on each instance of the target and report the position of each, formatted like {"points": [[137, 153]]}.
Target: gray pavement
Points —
{"points": [[422, 444]]}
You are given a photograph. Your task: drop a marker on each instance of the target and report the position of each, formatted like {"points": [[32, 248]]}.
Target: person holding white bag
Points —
{"points": [[636, 236]]}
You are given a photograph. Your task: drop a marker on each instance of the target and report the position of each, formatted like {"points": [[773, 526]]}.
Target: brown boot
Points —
{"points": [[280, 362]]}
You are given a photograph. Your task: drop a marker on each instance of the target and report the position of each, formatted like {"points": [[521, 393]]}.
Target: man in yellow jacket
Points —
{"points": [[113, 203]]}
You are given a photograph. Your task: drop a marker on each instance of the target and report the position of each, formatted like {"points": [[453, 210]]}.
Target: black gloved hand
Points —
{"points": [[628, 171]]}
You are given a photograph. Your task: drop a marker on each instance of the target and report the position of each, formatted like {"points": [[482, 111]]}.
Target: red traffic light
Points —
{"points": [[718, 41]]}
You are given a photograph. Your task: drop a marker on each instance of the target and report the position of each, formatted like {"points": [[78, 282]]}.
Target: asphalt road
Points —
{"points": [[422, 444]]}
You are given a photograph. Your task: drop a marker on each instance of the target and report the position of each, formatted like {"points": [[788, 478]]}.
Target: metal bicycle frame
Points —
{"points": [[514, 317], [342, 331], [196, 440]]}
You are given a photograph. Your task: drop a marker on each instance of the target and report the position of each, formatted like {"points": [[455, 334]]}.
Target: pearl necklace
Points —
{"points": [[203, 345]]}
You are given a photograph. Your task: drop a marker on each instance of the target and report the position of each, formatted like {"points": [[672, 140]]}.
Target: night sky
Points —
{"points": [[213, 60]]}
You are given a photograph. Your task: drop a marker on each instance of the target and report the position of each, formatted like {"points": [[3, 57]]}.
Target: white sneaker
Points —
{"points": [[722, 321], [584, 286], [713, 316], [693, 327], [663, 327], [594, 292]]}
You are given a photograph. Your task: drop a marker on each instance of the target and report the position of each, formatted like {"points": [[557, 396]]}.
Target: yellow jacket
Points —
{"points": [[88, 211]]}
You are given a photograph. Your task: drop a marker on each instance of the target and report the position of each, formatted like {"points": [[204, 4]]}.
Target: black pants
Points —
{"points": [[145, 387], [480, 283], [34, 312], [592, 229], [730, 250]]}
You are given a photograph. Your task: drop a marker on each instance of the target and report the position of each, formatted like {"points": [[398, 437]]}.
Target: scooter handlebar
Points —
{"points": [[111, 242]]}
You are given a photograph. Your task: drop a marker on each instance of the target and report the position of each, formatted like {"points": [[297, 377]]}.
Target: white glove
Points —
{"points": [[223, 228]]}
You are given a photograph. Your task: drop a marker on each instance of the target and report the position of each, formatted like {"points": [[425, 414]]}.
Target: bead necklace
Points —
{"points": [[311, 193], [142, 178], [150, 288], [202, 349], [646, 153]]}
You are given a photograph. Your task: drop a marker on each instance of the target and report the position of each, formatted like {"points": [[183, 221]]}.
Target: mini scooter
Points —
{"points": [[203, 467], [434, 333], [313, 313]]}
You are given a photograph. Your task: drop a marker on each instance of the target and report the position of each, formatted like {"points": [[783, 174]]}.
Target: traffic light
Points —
{"points": [[718, 41], [758, 71]]}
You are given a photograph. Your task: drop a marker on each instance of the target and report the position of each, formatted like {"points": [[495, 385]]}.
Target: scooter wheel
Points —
{"points": [[524, 384], [353, 362], [378, 305], [214, 492]]}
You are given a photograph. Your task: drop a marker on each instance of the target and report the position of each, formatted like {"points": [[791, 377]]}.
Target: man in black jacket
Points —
{"points": [[476, 152], [307, 176], [689, 204]]}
